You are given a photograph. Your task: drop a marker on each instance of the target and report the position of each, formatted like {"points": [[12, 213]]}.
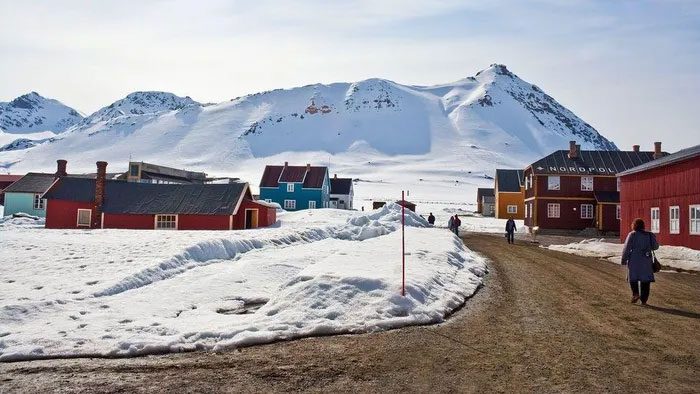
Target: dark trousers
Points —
{"points": [[646, 286], [510, 236]]}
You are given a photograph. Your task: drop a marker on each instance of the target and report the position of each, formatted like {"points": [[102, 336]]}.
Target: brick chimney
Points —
{"points": [[286, 164], [308, 167], [61, 168], [635, 148], [335, 176], [99, 194], [657, 150], [573, 150]]}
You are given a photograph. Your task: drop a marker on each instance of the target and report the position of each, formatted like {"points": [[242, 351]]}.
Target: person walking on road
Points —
{"points": [[431, 219], [510, 230], [637, 255], [456, 223]]}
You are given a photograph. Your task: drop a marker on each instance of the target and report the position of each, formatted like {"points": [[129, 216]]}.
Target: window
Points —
{"points": [[312, 204], [553, 210], [674, 220], [290, 204], [553, 183], [655, 216], [290, 188], [134, 170], [512, 209], [619, 181], [84, 216], [587, 183], [617, 211], [268, 200], [527, 210], [527, 182], [166, 222], [695, 219], [586, 211], [39, 203]]}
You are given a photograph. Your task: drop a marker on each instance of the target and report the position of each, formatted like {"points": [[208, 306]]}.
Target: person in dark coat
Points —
{"points": [[637, 256], [510, 230], [431, 219], [456, 224], [451, 224]]}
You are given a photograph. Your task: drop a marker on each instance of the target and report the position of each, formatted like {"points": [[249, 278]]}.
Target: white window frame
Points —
{"points": [[618, 211], [551, 212], [585, 185], [588, 210], [513, 210], [694, 228], [155, 222], [674, 219], [77, 221], [655, 225], [552, 185], [290, 187], [619, 182], [39, 203], [312, 204], [290, 204], [527, 209]]}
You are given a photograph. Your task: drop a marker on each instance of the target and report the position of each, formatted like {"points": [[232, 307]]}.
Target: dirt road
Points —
{"points": [[545, 321]]}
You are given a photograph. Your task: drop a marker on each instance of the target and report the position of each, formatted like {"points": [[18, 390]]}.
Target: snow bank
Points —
{"points": [[670, 256], [321, 272]]}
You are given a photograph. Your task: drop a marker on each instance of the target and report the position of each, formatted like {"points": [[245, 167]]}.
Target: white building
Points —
{"points": [[341, 192]]}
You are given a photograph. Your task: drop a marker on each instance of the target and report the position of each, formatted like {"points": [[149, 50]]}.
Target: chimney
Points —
{"points": [[335, 176], [61, 168], [99, 194], [635, 148], [308, 167], [286, 163], [657, 150], [573, 150]]}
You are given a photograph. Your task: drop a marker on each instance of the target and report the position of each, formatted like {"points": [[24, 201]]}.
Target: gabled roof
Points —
{"points": [[590, 162], [146, 198], [341, 185], [681, 155], [484, 192], [312, 177], [33, 182], [509, 180]]}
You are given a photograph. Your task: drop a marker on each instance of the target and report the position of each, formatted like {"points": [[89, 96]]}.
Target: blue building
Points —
{"points": [[25, 195], [296, 187]]}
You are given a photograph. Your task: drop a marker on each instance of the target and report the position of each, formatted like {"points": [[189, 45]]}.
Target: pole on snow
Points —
{"points": [[403, 245]]}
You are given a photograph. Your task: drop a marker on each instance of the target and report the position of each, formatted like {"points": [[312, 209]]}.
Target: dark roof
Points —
{"points": [[9, 178], [681, 155], [147, 198], [509, 180], [166, 177], [607, 196], [405, 203], [484, 192], [312, 177], [341, 185], [33, 182], [590, 162]]}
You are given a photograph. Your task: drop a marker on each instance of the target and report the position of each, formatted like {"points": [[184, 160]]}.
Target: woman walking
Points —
{"points": [[637, 255]]}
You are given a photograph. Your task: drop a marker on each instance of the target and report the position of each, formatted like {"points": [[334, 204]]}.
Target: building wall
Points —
{"points": [[673, 185], [267, 216], [346, 198], [606, 215], [64, 214], [570, 215], [202, 222], [21, 202], [488, 208], [504, 199], [134, 222], [301, 195]]}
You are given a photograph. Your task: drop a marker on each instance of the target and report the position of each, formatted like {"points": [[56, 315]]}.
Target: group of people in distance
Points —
{"points": [[637, 254]]}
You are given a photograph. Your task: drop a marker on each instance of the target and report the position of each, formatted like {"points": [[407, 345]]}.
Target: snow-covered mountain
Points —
{"points": [[374, 129], [32, 113]]}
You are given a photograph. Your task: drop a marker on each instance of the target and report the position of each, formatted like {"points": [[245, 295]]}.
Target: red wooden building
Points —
{"points": [[100, 203], [574, 190], [666, 194]]}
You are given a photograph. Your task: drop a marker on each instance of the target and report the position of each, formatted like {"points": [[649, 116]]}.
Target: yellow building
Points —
{"points": [[510, 194]]}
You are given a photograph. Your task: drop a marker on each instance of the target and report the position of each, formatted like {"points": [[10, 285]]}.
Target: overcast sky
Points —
{"points": [[630, 69]]}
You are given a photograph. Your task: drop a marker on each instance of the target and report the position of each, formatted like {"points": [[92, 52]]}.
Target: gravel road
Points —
{"points": [[544, 321]]}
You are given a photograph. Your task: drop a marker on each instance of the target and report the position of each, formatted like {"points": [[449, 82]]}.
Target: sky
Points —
{"points": [[629, 68]]}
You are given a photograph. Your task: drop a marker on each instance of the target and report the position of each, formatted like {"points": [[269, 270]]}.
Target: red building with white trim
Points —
{"points": [[666, 194], [73, 202], [575, 190]]}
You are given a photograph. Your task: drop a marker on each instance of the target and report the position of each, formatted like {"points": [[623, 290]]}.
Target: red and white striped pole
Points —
{"points": [[403, 244]]}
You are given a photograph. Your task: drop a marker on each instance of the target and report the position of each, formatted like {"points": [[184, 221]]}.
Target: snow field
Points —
{"points": [[671, 256], [124, 293]]}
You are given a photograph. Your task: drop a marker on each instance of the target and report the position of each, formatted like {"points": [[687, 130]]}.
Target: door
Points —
{"points": [[251, 218]]}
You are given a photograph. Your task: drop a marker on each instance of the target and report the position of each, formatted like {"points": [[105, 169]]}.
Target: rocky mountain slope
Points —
{"points": [[31, 113]]}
